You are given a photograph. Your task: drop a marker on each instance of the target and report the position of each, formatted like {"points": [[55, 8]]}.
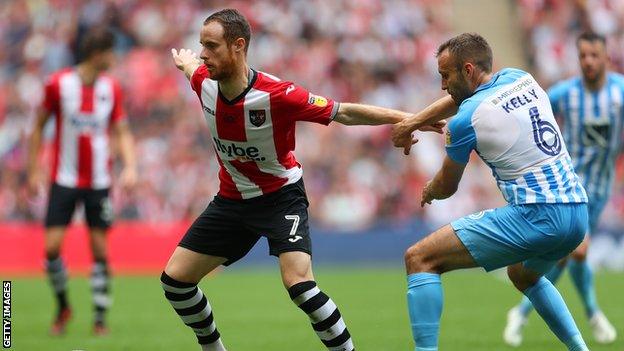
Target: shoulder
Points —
{"points": [[55, 77], [280, 90], [617, 79], [462, 122], [270, 83], [563, 86]]}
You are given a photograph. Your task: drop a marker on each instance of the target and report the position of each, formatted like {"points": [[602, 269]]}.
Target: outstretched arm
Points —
{"points": [[186, 61], [441, 109], [360, 114]]}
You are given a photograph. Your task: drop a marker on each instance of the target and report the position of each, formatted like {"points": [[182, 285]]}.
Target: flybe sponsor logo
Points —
{"points": [[86, 121], [240, 153]]}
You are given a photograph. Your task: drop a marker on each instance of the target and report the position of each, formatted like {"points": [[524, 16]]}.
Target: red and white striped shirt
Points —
{"points": [[254, 134], [84, 115]]}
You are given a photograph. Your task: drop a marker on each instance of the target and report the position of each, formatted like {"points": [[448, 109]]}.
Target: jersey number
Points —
{"points": [[295, 218], [543, 132]]}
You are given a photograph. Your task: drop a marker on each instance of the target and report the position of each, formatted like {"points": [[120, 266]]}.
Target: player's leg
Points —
{"points": [[99, 215], [437, 253], [549, 304], [583, 279], [283, 218], [517, 316], [215, 238], [179, 281], [327, 322], [61, 205]]}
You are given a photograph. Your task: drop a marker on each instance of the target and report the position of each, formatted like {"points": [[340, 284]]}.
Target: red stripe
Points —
{"points": [[86, 104], [85, 161], [55, 95], [283, 135], [227, 187], [230, 121], [268, 183]]}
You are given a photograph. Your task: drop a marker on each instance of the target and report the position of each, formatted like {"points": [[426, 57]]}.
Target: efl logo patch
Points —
{"points": [[257, 117], [448, 137], [317, 100]]}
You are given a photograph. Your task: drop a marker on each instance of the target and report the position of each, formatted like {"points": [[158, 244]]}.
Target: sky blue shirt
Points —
{"points": [[509, 122], [592, 128]]}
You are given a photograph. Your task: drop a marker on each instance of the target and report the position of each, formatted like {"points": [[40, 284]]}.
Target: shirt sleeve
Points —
{"points": [[460, 138], [51, 95], [555, 95], [118, 113], [302, 105], [198, 77]]}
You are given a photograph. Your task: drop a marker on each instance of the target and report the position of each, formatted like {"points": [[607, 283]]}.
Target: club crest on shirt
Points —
{"points": [[317, 100], [257, 117]]}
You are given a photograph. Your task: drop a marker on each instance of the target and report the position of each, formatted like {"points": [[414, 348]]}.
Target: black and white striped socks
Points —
{"points": [[57, 275], [100, 288], [324, 315], [192, 306]]}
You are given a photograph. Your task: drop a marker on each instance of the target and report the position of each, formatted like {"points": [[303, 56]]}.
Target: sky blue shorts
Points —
{"points": [[537, 234], [595, 207]]}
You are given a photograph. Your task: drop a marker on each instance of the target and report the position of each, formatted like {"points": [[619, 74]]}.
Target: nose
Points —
{"points": [[203, 54]]}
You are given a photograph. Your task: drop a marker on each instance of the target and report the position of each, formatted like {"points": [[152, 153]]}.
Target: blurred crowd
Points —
{"points": [[372, 51]]}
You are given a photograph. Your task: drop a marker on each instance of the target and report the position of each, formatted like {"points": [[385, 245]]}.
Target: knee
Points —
{"points": [[520, 278], [291, 279], [580, 253], [416, 261]]}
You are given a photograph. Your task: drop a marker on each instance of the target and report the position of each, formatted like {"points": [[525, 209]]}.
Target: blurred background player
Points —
{"points": [[87, 106], [251, 116], [590, 109], [506, 118]]}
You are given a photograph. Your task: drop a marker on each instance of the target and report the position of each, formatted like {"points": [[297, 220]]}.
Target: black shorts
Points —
{"points": [[62, 203], [230, 228]]}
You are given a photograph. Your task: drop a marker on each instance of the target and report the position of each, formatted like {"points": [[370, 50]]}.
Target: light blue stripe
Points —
{"points": [[553, 185], [565, 178], [533, 185], [581, 116], [520, 193]]}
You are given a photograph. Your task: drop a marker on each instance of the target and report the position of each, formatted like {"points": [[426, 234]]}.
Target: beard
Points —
{"points": [[460, 92], [594, 78], [224, 70]]}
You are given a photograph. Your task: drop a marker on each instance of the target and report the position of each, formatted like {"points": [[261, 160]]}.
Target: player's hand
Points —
{"points": [[128, 178], [427, 195], [35, 183], [437, 127], [402, 137], [185, 58]]}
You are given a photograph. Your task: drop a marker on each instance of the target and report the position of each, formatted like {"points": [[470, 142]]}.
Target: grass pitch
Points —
{"points": [[253, 312]]}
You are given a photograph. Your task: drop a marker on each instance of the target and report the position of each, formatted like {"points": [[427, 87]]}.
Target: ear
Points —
{"points": [[239, 45], [468, 69]]}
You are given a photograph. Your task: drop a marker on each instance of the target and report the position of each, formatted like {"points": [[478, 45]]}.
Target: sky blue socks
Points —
{"points": [[583, 280], [553, 275], [549, 304], [424, 303]]}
